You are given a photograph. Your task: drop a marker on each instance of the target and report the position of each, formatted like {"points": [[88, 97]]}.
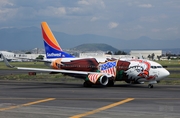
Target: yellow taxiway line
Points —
{"points": [[27, 104], [102, 108]]}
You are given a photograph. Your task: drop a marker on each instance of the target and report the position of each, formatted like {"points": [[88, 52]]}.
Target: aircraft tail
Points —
{"points": [[52, 48]]}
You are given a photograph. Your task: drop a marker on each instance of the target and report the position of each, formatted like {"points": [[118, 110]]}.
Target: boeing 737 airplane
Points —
{"points": [[106, 73]]}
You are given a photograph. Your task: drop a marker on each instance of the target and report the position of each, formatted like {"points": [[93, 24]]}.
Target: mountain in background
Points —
{"points": [[95, 47], [31, 37], [20, 39]]}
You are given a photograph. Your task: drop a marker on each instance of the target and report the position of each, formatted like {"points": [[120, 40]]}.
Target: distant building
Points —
{"points": [[28, 56], [103, 55], [18, 57], [146, 54], [92, 54]]}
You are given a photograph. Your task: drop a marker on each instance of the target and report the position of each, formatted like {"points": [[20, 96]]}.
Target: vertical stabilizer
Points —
{"points": [[52, 48]]}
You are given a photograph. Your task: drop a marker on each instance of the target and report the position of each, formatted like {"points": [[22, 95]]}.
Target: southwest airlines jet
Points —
{"points": [[93, 71]]}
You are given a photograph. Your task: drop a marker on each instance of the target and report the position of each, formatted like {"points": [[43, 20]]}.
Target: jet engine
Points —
{"points": [[97, 78], [103, 80]]}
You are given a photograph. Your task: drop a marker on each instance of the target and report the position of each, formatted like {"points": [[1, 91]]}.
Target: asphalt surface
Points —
{"points": [[31, 99], [13, 72]]}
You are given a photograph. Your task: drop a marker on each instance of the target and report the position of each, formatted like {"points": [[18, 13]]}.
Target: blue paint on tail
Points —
{"points": [[53, 53]]}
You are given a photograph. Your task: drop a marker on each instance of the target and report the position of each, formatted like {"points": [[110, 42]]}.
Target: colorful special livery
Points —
{"points": [[106, 73], [97, 71]]}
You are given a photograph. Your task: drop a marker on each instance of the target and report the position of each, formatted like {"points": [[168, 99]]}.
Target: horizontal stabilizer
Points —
{"points": [[6, 62]]}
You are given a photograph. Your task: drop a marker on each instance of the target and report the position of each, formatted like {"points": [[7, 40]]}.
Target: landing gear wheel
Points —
{"points": [[86, 84], [110, 83], [150, 86]]}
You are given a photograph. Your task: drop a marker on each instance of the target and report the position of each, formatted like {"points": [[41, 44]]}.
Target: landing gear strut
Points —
{"points": [[150, 86], [110, 83], [86, 84]]}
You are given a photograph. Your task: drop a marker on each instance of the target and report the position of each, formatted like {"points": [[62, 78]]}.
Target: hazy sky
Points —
{"points": [[124, 19]]}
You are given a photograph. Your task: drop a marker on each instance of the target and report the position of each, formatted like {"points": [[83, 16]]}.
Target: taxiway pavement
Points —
{"points": [[19, 99]]}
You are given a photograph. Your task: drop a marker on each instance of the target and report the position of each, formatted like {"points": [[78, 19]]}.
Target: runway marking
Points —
{"points": [[91, 98], [27, 104], [102, 108]]}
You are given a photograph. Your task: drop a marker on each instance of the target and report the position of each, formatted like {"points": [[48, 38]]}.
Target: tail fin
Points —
{"points": [[52, 48]]}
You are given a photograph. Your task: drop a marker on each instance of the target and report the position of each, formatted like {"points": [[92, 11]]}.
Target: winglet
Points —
{"points": [[6, 62]]}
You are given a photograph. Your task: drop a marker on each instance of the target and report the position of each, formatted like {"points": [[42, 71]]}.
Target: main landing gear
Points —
{"points": [[87, 84], [150, 86], [110, 83]]}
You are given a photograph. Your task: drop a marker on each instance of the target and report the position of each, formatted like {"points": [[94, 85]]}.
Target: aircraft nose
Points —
{"points": [[164, 73], [167, 73]]}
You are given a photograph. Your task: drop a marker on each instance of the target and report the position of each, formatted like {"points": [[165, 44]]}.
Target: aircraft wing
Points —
{"points": [[54, 70], [92, 77]]}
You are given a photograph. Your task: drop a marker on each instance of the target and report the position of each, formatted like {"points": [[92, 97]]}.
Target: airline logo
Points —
{"points": [[52, 48], [53, 54]]}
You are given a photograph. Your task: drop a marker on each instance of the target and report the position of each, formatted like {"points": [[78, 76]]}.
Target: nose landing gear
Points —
{"points": [[150, 85]]}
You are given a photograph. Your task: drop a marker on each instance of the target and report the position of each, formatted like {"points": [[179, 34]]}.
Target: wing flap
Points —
{"points": [[62, 71], [54, 70]]}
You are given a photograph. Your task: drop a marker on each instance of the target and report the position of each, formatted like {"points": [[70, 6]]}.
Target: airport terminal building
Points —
{"points": [[146, 54], [134, 54], [103, 55], [18, 57]]}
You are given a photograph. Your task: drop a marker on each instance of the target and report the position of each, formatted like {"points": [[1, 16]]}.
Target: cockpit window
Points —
{"points": [[159, 67], [154, 67]]}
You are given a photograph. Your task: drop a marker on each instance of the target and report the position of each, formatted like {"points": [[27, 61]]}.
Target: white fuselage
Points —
{"points": [[139, 70]]}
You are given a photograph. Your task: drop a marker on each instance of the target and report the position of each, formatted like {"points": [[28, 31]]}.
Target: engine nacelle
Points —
{"points": [[98, 78], [103, 80]]}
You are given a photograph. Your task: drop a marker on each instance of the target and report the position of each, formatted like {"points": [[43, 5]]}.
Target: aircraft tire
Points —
{"points": [[150, 86], [86, 84], [110, 83]]}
